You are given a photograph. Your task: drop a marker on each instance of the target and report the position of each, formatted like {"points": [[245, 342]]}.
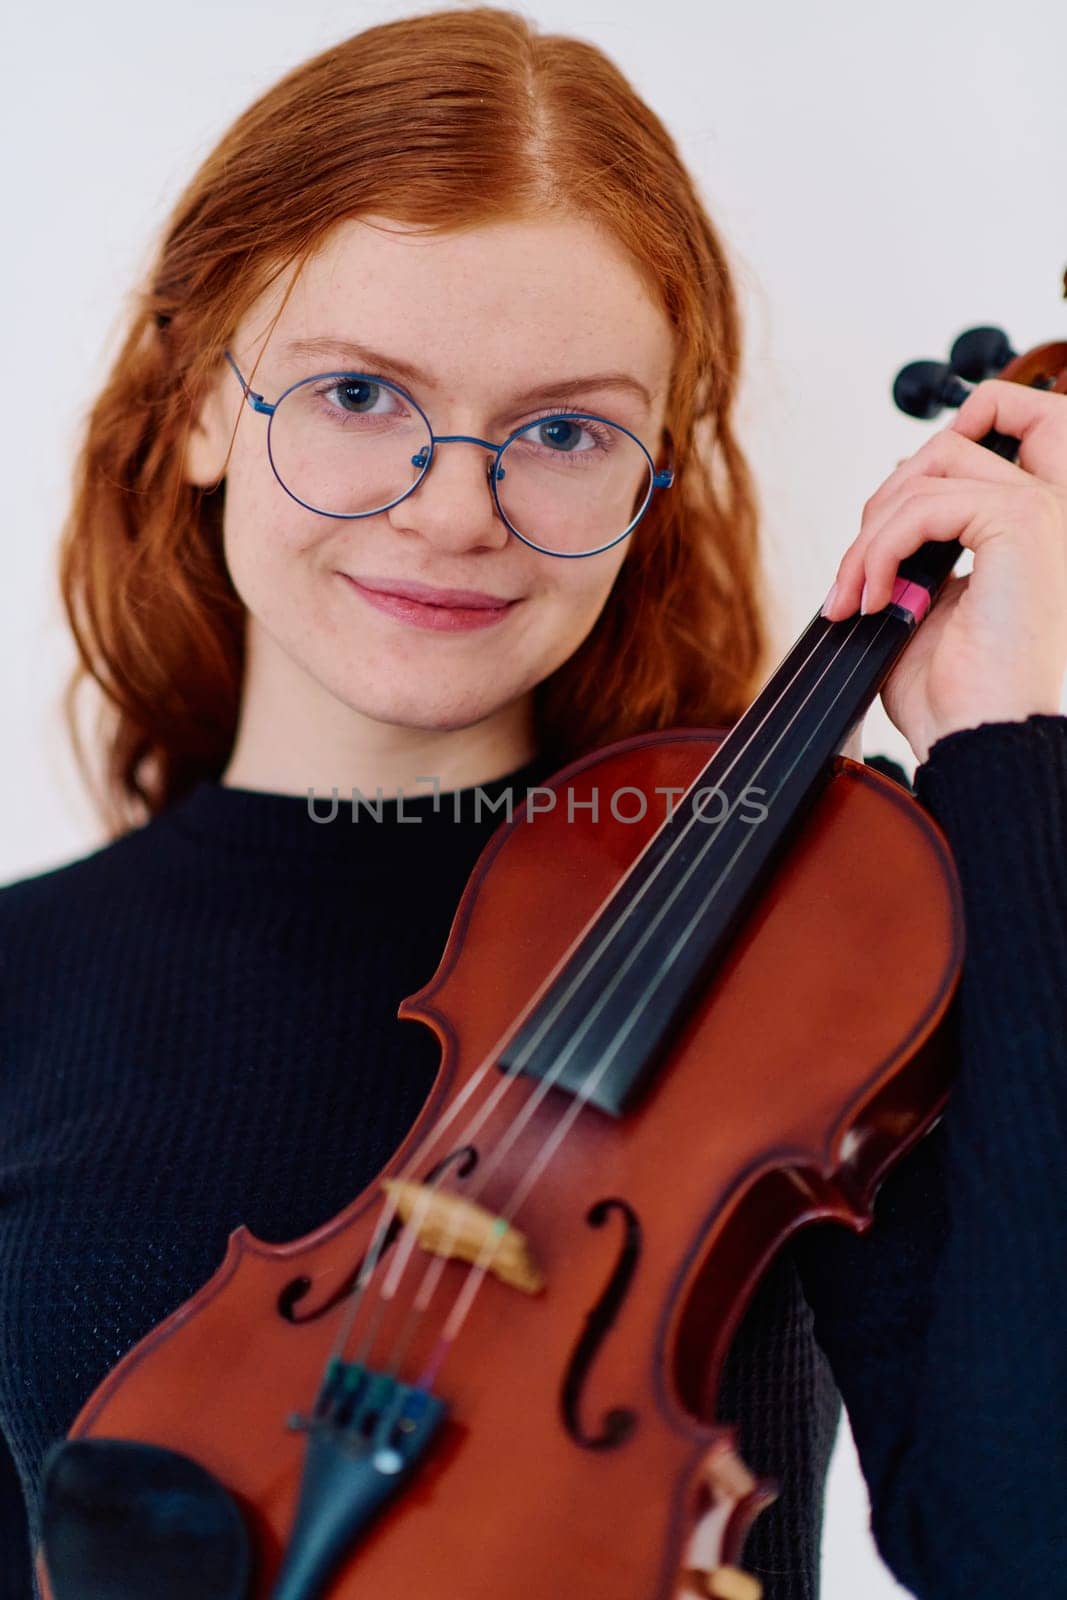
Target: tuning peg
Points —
{"points": [[924, 388], [979, 353]]}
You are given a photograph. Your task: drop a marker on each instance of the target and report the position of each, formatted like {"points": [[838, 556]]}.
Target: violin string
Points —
{"points": [[390, 1204], [422, 1151], [435, 1267], [477, 1077], [424, 1199], [480, 1267]]}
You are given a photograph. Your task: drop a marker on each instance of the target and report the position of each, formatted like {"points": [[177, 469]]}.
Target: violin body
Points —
{"points": [[574, 1458]]}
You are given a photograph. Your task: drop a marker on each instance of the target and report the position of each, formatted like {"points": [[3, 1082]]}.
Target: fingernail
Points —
{"points": [[863, 601], [829, 599]]}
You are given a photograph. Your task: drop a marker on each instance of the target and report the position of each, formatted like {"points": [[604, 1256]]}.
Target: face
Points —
{"points": [[486, 317]]}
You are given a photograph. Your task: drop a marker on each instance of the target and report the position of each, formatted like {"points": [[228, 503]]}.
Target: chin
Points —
{"points": [[441, 713]]}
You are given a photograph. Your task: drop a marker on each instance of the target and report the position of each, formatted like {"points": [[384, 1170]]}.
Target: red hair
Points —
{"points": [[447, 120]]}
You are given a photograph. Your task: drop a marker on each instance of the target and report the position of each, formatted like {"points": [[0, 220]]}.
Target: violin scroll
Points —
{"points": [[925, 388]]}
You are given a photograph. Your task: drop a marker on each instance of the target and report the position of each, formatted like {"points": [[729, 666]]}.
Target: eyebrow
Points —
{"points": [[363, 357]]}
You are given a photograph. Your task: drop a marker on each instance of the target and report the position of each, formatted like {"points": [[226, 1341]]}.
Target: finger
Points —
{"points": [[945, 458], [854, 567], [878, 515], [917, 520], [945, 509], [1037, 418], [946, 454]]}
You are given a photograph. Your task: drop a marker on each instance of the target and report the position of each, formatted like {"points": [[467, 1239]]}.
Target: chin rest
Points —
{"points": [[123, 1520]]}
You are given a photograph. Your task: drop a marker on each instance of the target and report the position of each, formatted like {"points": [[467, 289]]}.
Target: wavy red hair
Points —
{"points": [[446, 120]]}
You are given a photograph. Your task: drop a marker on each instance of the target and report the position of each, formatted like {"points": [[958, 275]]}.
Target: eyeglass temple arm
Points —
{"points": [[664, 478], [256, 401]]}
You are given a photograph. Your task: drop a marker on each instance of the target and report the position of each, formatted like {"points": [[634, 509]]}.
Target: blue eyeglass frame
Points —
{"points": [[660, 478]]}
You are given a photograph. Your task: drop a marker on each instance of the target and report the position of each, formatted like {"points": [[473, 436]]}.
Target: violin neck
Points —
{"points": [[828, 680], [602, 1026]]}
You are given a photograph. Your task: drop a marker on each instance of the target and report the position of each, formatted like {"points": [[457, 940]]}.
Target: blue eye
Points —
{"points": [[355, 394], [580, 438], [563, 433]]}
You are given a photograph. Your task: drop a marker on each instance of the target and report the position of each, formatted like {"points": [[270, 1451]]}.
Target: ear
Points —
{"points": [[208, 442]]}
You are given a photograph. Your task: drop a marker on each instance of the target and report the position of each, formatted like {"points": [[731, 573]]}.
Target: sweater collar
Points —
{"points": [[366, 830]]}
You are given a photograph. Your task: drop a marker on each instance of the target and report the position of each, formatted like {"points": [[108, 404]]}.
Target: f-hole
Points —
{"points": [[618, 1423], [464, 1159]]}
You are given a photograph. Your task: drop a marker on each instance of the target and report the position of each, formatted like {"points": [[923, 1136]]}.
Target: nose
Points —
{"points": [[453, 506]]}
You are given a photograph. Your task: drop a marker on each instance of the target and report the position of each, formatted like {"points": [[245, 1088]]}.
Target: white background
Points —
{"points": [[886, 175]]}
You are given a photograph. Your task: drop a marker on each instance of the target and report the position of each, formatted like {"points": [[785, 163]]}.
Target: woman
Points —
{"points": [[477, 228]]}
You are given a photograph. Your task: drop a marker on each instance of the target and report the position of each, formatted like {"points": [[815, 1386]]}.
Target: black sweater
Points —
{"points": [[199, 1030]]}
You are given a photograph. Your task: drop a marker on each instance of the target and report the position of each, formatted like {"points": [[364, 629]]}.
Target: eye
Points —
{"points": [[358, 394], [573, 436], [562, 433]]}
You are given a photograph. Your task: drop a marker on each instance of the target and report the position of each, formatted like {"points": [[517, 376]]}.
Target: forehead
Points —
{"points": [[539, 298]]}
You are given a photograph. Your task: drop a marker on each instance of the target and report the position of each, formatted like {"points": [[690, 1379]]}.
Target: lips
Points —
{"points": [[420, 605], [427, 595]]}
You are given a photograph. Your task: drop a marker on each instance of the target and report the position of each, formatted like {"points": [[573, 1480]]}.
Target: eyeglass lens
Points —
{"points": [[348, 445]]}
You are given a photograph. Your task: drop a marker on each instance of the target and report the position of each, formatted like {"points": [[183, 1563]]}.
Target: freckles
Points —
{"points": [[269, 559], [567, 616]]}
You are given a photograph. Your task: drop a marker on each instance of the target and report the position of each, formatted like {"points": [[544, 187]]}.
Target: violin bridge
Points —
{"points": [[448, 1225]]}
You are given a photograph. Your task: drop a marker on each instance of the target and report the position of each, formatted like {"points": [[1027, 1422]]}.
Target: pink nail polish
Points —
{"points": [[829, 599], [863, 601]]}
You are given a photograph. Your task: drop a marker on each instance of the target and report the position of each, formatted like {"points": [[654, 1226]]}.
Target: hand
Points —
{"points": [[994, 646]]}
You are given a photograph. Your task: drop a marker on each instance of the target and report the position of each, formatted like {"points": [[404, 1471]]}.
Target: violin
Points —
{"points": [[667, 1043]]}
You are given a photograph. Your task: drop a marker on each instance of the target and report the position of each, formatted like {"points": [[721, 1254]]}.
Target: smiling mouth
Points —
{"points": [[440, 610], [425, 594]]}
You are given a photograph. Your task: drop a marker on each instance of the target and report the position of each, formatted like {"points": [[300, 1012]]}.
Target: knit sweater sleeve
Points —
{"points": [[946, 1323], [15, 1575]]}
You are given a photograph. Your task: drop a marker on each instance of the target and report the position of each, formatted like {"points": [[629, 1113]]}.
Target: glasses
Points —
{"points": [[347, 444]]}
